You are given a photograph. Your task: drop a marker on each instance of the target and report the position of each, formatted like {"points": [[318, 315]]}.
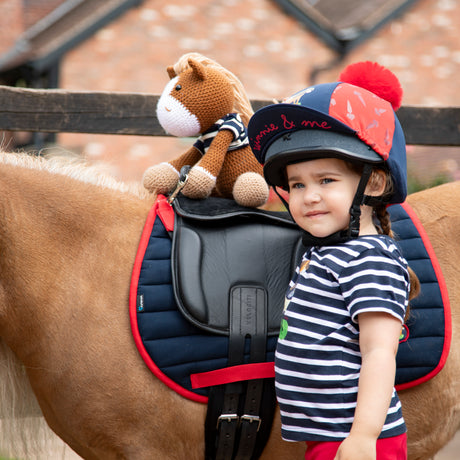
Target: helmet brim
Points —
{"points": [[305, 145]]}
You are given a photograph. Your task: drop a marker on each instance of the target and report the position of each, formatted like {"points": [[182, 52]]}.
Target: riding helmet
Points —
{"points": [[352, 119]]}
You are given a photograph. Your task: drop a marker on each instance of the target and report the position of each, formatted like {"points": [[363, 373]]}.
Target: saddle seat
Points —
{"points": [[224, 255]]}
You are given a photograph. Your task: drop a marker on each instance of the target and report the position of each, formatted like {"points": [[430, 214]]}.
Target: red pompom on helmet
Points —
{"points": [[376, 79]]}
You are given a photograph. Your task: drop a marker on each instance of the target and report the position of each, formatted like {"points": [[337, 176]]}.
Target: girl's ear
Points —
{"points": [[377, 183]]}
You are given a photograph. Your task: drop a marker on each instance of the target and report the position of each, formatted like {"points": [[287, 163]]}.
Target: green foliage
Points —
{"points": [[415, 184]]}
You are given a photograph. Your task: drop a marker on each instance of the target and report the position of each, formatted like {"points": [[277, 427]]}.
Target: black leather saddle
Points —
{"points": [[226, 254]]}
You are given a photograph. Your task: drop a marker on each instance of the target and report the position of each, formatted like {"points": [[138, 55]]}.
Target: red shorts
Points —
{"points": [[387, 449]]}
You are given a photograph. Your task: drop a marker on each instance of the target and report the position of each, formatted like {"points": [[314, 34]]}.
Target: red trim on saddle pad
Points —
{"points": [[445, 300], [165, 212]]}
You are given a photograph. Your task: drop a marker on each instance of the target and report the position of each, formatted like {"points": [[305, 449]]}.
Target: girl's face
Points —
{"points": [[320, 196]]}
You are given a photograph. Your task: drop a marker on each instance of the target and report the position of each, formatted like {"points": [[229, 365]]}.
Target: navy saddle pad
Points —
{"points": [[176, 348]]}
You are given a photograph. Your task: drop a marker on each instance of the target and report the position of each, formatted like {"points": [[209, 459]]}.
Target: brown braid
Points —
{"points": [[384, 218]]}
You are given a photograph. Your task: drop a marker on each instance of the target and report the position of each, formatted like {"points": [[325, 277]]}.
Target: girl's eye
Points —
{"points": [[178, 87], [327, 180], [296, 185]]}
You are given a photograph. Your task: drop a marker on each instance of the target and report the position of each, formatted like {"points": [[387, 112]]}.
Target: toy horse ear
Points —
{"points": [[198, 68], [171, 72]]}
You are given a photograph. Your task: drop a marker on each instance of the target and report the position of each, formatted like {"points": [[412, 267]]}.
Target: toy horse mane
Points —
{"points": [[241, 104]]}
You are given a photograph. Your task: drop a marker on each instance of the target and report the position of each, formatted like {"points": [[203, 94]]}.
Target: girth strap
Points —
{"points": [[250, 305], [227, 422], [251, 419], [235, 428]]}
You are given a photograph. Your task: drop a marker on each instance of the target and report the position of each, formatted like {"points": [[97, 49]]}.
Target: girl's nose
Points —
{"points": [[311, 195]]}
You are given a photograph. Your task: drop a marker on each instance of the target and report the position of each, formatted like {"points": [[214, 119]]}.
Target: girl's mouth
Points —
{"points": [[313, 214]]}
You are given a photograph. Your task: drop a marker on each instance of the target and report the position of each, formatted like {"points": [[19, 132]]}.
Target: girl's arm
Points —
{"points": [[378, 340]]}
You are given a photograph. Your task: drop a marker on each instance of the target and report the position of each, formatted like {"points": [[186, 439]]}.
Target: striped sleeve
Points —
{"points": [[377, 280]]}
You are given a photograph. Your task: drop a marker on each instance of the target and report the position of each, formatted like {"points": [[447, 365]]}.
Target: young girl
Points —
{"points": [[340, 152]]}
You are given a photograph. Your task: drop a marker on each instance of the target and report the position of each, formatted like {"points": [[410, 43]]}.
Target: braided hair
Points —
{"points": [[383, 216]]}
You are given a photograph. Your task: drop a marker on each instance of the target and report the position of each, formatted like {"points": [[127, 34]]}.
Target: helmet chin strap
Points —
{"points": [[352, 231], [358, 201]]}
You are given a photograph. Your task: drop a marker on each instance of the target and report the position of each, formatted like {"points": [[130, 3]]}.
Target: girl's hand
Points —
{"points": [[357, 448]]}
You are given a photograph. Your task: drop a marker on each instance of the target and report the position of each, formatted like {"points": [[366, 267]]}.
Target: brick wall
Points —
{"points": [[269, 51], [11, 23], [18, 15]]}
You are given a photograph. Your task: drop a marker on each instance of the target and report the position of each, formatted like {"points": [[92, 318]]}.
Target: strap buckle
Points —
{"points": [[227, 418], [251, 419], [183, 177]]}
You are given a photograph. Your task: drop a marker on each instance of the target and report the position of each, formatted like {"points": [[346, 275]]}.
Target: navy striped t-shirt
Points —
{"points": [[318, 360]]}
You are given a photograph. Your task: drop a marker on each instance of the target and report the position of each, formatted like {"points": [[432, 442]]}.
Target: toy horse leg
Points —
{"points": [[242, 177], [163, 178], [190, 157], [202, 177]]}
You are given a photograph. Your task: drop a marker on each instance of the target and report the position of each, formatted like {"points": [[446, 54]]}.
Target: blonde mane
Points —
{"points": [[242, 105], [73, 167], [23, 430]]}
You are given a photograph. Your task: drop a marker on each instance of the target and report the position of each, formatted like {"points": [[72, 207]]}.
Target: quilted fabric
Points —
{"points": [[423, 354]]}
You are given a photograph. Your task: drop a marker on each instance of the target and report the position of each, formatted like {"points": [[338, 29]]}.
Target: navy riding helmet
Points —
{"points": [[339, 120]]}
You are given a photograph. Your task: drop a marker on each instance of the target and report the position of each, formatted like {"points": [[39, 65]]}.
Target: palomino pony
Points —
{"points": [[67, 245]]}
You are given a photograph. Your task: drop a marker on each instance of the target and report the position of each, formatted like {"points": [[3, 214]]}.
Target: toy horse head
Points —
{"points": [[199, 93], [206, 100]]}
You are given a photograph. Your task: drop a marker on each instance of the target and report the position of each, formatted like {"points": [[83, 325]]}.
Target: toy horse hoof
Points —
{"points": [[160, 178], [199, 184], [250, 189]]}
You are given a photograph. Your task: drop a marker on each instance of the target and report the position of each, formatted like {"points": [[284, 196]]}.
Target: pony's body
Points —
{"points": [[67, 250]]}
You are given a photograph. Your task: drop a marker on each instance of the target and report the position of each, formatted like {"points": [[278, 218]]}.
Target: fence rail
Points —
{"points": [[57, 110]]}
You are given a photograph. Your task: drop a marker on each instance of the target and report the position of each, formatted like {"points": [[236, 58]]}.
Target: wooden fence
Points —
{"points": [[55, 111]]}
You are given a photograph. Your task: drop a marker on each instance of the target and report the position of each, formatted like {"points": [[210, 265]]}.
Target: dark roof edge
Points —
{"points": [[339, 44], [21, 53]]}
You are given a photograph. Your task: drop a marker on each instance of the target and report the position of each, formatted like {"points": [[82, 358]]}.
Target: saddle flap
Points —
{"points": [[215, 252]]}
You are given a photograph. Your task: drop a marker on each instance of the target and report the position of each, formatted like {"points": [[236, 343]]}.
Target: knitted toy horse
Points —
{"points": [[204, 98]]}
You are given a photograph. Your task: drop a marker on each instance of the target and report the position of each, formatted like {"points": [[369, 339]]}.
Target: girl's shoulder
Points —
{"points": [[379, 246], [375, 242]]}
